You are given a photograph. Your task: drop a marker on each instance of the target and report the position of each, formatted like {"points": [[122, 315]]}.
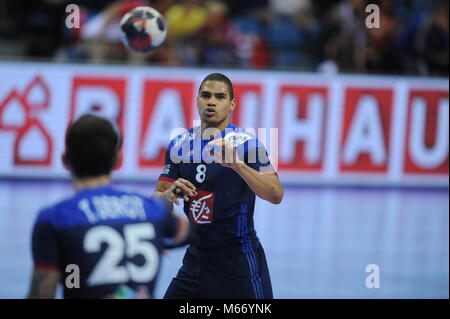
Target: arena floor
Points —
{"points": [[318, 241]]}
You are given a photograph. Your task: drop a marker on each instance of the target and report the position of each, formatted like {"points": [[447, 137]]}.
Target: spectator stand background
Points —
{"points": [[325, 36]]}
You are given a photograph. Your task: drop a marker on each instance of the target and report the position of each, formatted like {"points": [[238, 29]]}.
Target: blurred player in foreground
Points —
{"points": [[113, 237], [217, 168]]}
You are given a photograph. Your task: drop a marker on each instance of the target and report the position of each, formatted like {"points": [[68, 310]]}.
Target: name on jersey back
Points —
{"points": [[107, 207]]}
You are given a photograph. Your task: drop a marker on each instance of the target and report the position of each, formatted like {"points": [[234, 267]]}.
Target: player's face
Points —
{"points": [[214, 104]]}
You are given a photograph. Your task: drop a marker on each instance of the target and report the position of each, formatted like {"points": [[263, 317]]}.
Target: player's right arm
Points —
{"points": [[177, 231], [170, 185], [171, 191]]}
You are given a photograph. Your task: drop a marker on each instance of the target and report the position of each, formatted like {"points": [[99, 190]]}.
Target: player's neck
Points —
{"points": [[221, 126], [91, 182]]}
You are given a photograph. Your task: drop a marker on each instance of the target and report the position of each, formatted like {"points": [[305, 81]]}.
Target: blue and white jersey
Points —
{"points": [[221, 215], [114, 237]]}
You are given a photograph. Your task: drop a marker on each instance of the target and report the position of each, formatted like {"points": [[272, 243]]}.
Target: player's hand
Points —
{"points": [[181, 188], [226, 155]]}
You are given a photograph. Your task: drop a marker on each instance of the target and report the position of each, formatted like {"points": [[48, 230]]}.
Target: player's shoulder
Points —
{"points": [[239, 136], [149, 202], [51, 214], [154, 207], [185, 136], [126, 199], [46, 215], [145, 198]]}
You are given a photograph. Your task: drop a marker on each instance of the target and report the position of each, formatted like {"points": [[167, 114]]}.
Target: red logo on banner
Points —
{"points": [[14, 100], [201, 207], [36, 85], [426, 142], [167, 105], [18, 113], [366, 130], [301, 122], [105, 96]]}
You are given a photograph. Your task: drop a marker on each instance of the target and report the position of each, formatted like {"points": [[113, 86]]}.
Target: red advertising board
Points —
{"points": [[386, 130]]}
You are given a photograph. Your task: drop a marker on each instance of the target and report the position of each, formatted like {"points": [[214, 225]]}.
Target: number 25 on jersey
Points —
{"points": [[134, 242]]}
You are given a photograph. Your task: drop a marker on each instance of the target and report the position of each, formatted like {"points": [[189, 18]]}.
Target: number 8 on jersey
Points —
{"points": [[201, 173]]}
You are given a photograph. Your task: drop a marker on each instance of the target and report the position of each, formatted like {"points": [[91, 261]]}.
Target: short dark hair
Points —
{"points": [[222, 78], [91, 146]]}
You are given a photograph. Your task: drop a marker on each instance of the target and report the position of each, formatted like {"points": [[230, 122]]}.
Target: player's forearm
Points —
{"points": [[160, 194], [264, 186], [43, 285], [157, 194]]}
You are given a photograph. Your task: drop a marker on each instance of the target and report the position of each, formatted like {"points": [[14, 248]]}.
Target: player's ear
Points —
{"points": [[198, 104], [117, 159], [232, 105], [65, 161]]}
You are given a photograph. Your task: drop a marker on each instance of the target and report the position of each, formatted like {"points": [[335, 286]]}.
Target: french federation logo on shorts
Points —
{"points": [[201, 207]]}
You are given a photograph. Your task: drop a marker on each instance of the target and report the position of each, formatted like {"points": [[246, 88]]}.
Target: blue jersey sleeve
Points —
{"points": [[171, 222], [250, 150], [257, 157], [170, 169], [45, 249]]}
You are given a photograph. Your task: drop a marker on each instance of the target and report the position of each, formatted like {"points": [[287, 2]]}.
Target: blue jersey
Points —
{"points": [[221, 215], [113, 237]]}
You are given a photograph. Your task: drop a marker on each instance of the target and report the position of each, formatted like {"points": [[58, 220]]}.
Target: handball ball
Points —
{"points": [[143, 29]]}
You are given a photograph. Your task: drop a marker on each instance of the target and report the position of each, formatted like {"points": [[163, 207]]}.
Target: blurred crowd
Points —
{"points": [[326, 36]]}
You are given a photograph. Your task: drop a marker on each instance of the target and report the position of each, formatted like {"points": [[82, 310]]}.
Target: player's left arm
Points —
{"points": [[44, 283], [265, 185], [45, 249]]}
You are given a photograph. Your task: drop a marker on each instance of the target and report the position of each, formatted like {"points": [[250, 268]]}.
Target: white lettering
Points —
{"points": [[99, 100], [249, 105], [308, 130], [114, 207], [373, 19], [366, 133], [423, 156], [73, 279], [168, 114], [373, 280], [73, 19]]}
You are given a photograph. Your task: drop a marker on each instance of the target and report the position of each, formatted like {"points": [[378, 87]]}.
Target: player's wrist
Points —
{"points": [[238, 166]]}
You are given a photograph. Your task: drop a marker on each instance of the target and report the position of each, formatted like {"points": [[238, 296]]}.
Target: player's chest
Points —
{"points": [[207, 175]]}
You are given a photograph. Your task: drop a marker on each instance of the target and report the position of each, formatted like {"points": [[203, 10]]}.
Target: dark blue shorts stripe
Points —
{"points": [[250, 255], [256, 277]]}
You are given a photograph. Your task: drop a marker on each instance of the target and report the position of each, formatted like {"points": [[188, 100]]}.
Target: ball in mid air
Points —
{"points": [[143, 29]]}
